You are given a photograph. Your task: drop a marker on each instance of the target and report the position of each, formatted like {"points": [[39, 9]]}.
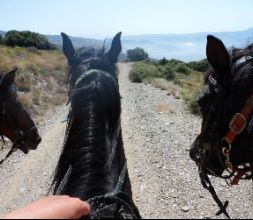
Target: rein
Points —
{"points": [[100, 204], [17, 143]]}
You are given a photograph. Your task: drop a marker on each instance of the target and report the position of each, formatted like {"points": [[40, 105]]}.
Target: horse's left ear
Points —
{"points": [[9, 79], [68, 48], [218, 56], [116, 47]]}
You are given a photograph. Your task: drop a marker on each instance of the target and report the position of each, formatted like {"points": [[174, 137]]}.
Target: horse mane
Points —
{"points": [[93, 120], [84, 53], [239, 52]]}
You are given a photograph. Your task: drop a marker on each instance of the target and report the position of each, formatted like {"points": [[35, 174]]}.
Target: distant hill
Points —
{"points": [[186, 47], [77, 41], [2, 33]]}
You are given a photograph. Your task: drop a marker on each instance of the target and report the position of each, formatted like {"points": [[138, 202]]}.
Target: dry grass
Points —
{"points": [[186, 87], [162, 108], [26, 100], [163, 84], [40, 76]]}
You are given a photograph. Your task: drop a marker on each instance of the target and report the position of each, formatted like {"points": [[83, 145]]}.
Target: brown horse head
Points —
{"points": [[15, 122], [229, 86]]}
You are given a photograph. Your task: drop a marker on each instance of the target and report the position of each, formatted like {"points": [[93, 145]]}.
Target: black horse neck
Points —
{"points": [[94, 135]]}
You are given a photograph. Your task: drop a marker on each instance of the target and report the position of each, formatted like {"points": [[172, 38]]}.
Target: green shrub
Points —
{"points": [[169, 74], [143, 71], [178, 79], [163, 61], [137, 54], [193, 100], [200, 66], [182, 68], [27, 39], [174, 62]]}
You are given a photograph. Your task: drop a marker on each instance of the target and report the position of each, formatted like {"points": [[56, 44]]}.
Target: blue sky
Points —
{"points": [[132, 17]]}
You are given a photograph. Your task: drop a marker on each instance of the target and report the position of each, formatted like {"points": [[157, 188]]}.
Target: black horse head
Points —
{"points": [[229, 86], [92, 166], [15, 122], [85, 58]]}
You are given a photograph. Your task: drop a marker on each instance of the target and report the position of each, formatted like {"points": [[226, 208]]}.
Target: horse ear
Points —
{"points": [[218, 56], [68, 48], [116, 47], [9, 79]]}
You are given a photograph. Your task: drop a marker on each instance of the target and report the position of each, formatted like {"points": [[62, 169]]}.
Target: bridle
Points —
{"points": [[237, 125], [101, 204], [127, 209], [20, 134]]}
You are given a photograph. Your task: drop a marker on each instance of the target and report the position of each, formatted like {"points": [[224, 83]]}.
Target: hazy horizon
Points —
{"points": [[99, 37]]}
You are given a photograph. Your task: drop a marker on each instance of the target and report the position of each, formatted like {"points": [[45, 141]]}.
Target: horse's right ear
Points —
{"points": [[68, 48], [8, 79], [218, 56]]}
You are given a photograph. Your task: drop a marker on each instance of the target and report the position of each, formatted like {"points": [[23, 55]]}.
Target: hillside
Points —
{"points": [[186, 47], [40, 77], [2, 33], [78, 42]]}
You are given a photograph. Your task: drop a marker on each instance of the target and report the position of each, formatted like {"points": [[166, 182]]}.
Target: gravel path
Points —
{"points": [[157, 134]]}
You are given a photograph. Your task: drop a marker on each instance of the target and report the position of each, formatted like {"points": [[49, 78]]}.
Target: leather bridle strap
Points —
{"points": [[236, 127], [239, 121], [8, 155]]}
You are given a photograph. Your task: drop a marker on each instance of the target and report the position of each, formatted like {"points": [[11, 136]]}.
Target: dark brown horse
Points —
{"points": [[226, 139], [93, 164], [15, 122]]}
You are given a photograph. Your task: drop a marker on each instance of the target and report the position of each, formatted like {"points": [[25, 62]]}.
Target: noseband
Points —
{"points": [[18, 133]]}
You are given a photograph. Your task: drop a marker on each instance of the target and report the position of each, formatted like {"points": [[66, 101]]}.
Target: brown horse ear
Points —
{"points": [[218, 56], [68, 48], [116, 47], [9, 79]]}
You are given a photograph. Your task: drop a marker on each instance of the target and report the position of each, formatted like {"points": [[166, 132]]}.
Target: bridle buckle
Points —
{"points": [[238, 123]]}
